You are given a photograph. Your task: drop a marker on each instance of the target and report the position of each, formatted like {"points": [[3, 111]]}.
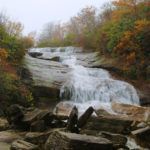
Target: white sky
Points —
{"points": [[33, 14]]}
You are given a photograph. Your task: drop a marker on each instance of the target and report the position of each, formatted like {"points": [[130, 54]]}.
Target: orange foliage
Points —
{"points": [[3, 55], [131, 58], [141, 24], [124, 7]]}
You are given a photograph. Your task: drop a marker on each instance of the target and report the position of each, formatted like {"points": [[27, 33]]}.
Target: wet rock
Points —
{"points": [[3, 124], [136, 113], [23, 145], [109, 124], [56, 58], [61, 140], [142, 136], [38, 138], [14, 114], [35, 54], [63, 110], [73, 120], [85, 116]]}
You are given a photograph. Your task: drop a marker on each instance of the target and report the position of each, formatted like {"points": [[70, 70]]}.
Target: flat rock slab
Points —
{"points": [[23, 145], [118, 140], [70, 141], [47, 73], [136, 113], [109, 124], [34, 115]]}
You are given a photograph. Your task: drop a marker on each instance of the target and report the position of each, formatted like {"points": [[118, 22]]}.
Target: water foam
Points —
{"points": [[89, 86]]}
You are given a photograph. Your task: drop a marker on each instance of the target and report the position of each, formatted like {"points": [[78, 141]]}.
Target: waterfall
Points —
{"points": [[89, 86]]}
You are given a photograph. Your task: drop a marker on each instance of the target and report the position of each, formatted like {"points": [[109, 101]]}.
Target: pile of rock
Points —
{"points": [[65, 129]]}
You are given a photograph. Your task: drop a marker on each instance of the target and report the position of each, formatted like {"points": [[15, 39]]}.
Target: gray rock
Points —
{"points": [[118, 140], [73, 120], [37, 120], [35, 54], [132, 112], [63, 110], [36, 114], [45, 73], [23, 145], [60, 140], [109, 124], [85, 116]]}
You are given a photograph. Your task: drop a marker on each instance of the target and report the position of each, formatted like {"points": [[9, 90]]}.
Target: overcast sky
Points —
{"points": [[33, 14]]}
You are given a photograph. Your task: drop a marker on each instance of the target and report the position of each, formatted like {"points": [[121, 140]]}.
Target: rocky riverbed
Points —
{"points": [[64, 128]]}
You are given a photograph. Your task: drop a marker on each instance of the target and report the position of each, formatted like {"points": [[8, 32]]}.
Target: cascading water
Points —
{"points": [[89, 86]]}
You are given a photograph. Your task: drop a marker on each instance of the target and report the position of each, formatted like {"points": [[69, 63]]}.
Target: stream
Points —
{"points": [[67, 68]]}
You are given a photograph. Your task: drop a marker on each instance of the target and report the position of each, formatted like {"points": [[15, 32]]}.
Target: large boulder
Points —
{"points": [[112, 124], [136, 113], [47, 74], [85, 116], [23, 145], [56, 58], [73, 120], [37, 119], [61, 140], [63, 110], [118, 140]]}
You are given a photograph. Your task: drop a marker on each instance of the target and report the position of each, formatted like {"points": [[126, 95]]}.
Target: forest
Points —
{"points": [[120, 30]]}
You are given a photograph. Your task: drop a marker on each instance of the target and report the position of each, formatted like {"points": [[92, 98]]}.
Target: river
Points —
{"points": [[67, 68]]}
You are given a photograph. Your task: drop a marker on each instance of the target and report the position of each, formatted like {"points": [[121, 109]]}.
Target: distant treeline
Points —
{"points": [[121, 29]]}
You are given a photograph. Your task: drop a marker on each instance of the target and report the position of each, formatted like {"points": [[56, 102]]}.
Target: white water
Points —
{"points": [[89, 86]]}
